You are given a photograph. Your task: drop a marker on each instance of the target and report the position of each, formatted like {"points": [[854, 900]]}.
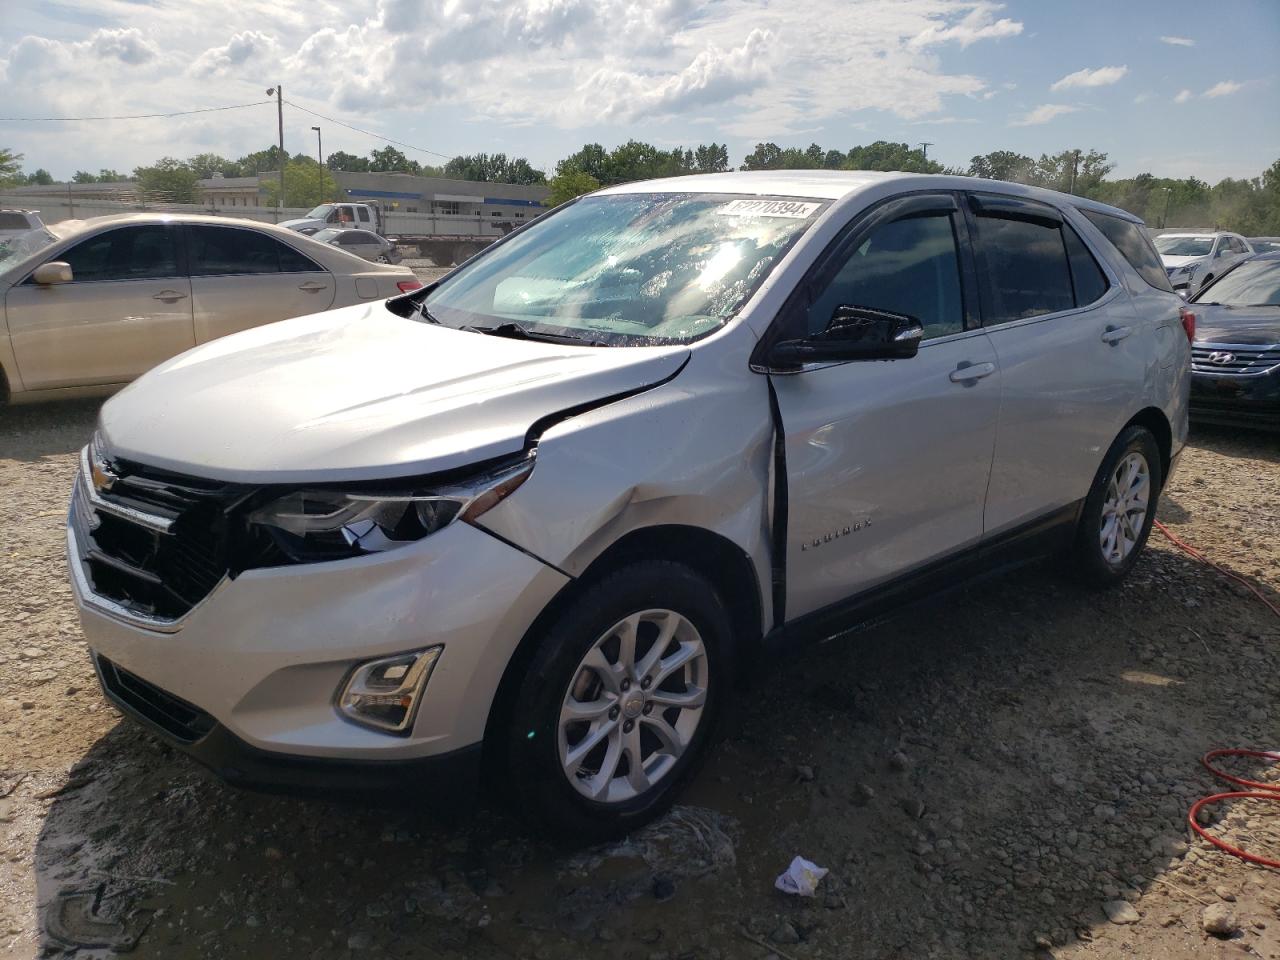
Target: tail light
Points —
{"points": [[405, 286], [1188, 324]]}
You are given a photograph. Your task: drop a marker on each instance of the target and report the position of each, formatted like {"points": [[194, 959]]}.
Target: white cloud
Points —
{"points": [[1142, 98], [241, 49], [1042, 114], [1183, 96], [1223, 88], [977, 24], [1101, 77], [1178, 41], [465, 74]]}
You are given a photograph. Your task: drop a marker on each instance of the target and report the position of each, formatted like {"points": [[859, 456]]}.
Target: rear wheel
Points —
{"points": [[618, 706], [1120, 508]]}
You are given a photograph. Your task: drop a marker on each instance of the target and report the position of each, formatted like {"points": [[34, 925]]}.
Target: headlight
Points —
{"points": [[385, 694], [327, 523]]}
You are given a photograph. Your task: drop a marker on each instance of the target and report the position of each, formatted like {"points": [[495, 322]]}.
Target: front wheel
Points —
{"points": [[618, 706], [1120, 508]]}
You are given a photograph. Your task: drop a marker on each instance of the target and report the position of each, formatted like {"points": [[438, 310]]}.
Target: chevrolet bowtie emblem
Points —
{"points": [[101, 475]]}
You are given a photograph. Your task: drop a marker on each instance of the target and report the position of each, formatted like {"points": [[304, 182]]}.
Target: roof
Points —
{"points": [[1197, 233], [66, 227], [229, 183], [837, 184]]}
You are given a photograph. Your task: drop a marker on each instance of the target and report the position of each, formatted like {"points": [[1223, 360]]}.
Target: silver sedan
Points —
{"points": [[91, 304], [363, 243]]}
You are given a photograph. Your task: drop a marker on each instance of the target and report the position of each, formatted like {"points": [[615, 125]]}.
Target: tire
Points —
{"points": [[382, 258], [1101, 559], [556, 775]]}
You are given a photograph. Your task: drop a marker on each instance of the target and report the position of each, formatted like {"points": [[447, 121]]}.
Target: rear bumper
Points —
{"points": [[450, 777]]}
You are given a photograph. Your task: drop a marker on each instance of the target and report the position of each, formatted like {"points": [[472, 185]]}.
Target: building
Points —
{"points": [[406, 193], [219, 192]]}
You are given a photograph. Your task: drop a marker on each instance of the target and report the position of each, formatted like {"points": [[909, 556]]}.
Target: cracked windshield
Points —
{"points": [[628, 270]]}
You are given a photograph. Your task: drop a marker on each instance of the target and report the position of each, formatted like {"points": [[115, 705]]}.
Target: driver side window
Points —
{"points": [[909, 266]]}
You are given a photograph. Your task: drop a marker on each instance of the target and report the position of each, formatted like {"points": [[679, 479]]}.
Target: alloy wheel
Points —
{"points": [[633, 706], [1124, 511]]}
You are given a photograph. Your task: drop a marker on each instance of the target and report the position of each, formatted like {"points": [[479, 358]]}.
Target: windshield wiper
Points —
{"points": [[514, 331]]}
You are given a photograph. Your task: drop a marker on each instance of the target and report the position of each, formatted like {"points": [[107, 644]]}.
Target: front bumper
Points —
{"points": [[444, 777], [1237, 401], [264, 654]]}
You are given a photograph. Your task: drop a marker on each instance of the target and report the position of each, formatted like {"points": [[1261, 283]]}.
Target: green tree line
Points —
{"points": [[1250, 205]]}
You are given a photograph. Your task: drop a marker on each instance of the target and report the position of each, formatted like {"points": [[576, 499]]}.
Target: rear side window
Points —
{"points": [[1133, 244], [1087, 278], [126, 253], [228, 251], [1026, 266], [364, 214]]}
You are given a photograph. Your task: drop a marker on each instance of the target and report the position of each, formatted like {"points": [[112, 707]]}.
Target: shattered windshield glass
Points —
{"points": [[627, 270], [17, 249]]}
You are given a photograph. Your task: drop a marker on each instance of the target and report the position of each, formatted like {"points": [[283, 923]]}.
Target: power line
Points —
{"points": [[135, 116], [370, 133]]}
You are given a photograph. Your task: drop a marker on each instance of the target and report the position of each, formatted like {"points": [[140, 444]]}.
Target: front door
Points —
{"points": [[126, 309], [887, 462], [242, 278]]}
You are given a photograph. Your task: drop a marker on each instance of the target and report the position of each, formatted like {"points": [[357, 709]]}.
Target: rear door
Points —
{"points": [[887, 461], [126, 309], [1071, 351], [242, 278]]}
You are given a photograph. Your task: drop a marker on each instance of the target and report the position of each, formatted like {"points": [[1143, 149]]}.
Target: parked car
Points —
{"points": [[1194, 259], [1236, 356], [91, 304], [540, 514], [362, 216], [15, 223], [1265, 244], [363, 243]]}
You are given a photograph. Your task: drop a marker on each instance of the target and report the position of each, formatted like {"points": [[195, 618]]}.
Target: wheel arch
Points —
{"points": [[1154, 419], [726, 565]]}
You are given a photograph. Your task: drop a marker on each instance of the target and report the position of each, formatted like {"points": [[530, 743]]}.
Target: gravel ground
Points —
{"points": [[1001, 773]]}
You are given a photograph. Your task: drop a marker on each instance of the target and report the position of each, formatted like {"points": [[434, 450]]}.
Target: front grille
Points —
{"points": [[1240, 361], [151, 542], [181, 720]]}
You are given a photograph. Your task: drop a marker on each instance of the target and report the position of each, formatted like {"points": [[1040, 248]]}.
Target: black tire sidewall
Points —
{"points": [[538, 781], [1089, 559]]}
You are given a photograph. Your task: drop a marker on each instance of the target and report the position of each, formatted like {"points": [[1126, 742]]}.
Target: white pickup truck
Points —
{"points": [[360, 216]]}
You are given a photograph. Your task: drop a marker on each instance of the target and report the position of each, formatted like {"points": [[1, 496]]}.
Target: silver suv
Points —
{"points": [[539, 514]]}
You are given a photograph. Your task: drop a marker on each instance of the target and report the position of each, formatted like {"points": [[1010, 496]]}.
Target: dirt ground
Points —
{"points": [[989, 775]]}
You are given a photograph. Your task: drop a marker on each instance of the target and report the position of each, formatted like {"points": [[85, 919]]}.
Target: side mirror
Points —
{"points": [[855, 333], [55, 271]]}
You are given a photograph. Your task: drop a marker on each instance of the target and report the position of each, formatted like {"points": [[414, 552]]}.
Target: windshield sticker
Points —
{"points": [[790, 209]]}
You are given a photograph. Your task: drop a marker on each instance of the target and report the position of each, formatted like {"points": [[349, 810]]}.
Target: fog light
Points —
{"points": [[385, 694]]}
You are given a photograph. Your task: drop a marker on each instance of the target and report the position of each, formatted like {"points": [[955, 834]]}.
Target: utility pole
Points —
{"points": [[1168, 195], [1075, 162], [279, 92], [320, 162], [924, 149]]}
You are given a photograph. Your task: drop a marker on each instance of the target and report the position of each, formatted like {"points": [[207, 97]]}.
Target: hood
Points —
{"points": [[1240, 325], [360, 394], [1168, 261], [300, 222]]}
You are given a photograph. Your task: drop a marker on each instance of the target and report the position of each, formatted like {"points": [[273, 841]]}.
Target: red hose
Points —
{"points": [[1182, 545]]}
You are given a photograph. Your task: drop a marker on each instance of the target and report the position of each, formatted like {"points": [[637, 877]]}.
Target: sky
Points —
{"points": [[1164, 86]]}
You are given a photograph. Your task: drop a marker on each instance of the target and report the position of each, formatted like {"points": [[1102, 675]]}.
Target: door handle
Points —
{"points": [[170, 296], [974, 371], [1114, 335], [313, 286]]}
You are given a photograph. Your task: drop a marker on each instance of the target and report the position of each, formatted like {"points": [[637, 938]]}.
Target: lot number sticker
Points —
{"points": [[790, 209]]}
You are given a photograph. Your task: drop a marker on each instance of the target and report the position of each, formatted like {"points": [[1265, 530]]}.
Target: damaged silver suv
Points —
{"points": [[538, 514]]}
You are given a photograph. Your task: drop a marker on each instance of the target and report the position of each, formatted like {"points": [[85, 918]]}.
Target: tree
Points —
{"points": [[1002, 165], [887, 155], [391, 160], [10, 167], [41, 177], [306, 184], [711, 158], [495, 168], [206, 165], [569, 184], [169, 181], [765, 156], [592, 160], [260, 161], [341, 160]]}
